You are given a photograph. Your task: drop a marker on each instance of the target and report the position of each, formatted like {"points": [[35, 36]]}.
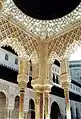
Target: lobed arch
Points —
{"points": [[16, 45], [62, 43], [9, 30], [67, 52]]}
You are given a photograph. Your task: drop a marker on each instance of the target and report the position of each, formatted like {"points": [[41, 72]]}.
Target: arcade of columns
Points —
{"points": [[42, 84], [42, 53]]}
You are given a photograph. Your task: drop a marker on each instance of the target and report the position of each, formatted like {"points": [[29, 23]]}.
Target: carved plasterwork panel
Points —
{"points": [[27, 31], [21, 42], [65, 44], [4, 88], [41, 28]]}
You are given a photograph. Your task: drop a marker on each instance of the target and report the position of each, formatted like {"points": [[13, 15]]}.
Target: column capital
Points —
{"points": [[42, 86], [37, 99], [22, 84], [23, 65], [64, 66], [65, 74], [22, 77], [65, 80], [47, 84]]}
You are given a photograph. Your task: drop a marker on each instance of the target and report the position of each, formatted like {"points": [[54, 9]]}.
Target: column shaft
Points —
{"points": [[65, 80], [67, 102], [21, 111], [22, 82], [46, 111], [43, 83], [39, 107]]}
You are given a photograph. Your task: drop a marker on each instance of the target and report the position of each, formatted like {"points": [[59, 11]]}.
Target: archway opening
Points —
{"points": [[15, 114], [2, 105], [31, 112], [55, 111]]}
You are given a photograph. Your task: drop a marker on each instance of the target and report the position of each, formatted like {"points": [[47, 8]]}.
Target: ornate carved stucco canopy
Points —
{"points": [[45, 9], [60, 34], [40, 28]]}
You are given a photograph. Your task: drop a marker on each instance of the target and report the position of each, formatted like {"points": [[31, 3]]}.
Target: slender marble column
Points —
{"points": [[22, 82], [46, 110], [38, 106], [21, 106], [42, 83], [65, 80], [67, 102]]}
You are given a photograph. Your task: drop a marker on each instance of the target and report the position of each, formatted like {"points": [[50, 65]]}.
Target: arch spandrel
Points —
{"points": [[35, 71], [21, 42], [19, 49], [34, 58], [53, 56], [58, 45], [64, 45]]}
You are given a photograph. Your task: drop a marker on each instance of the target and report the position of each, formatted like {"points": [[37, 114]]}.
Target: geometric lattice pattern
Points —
{"points": [[65, 44], [41, 28], [10, 31], [60, 46]]}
